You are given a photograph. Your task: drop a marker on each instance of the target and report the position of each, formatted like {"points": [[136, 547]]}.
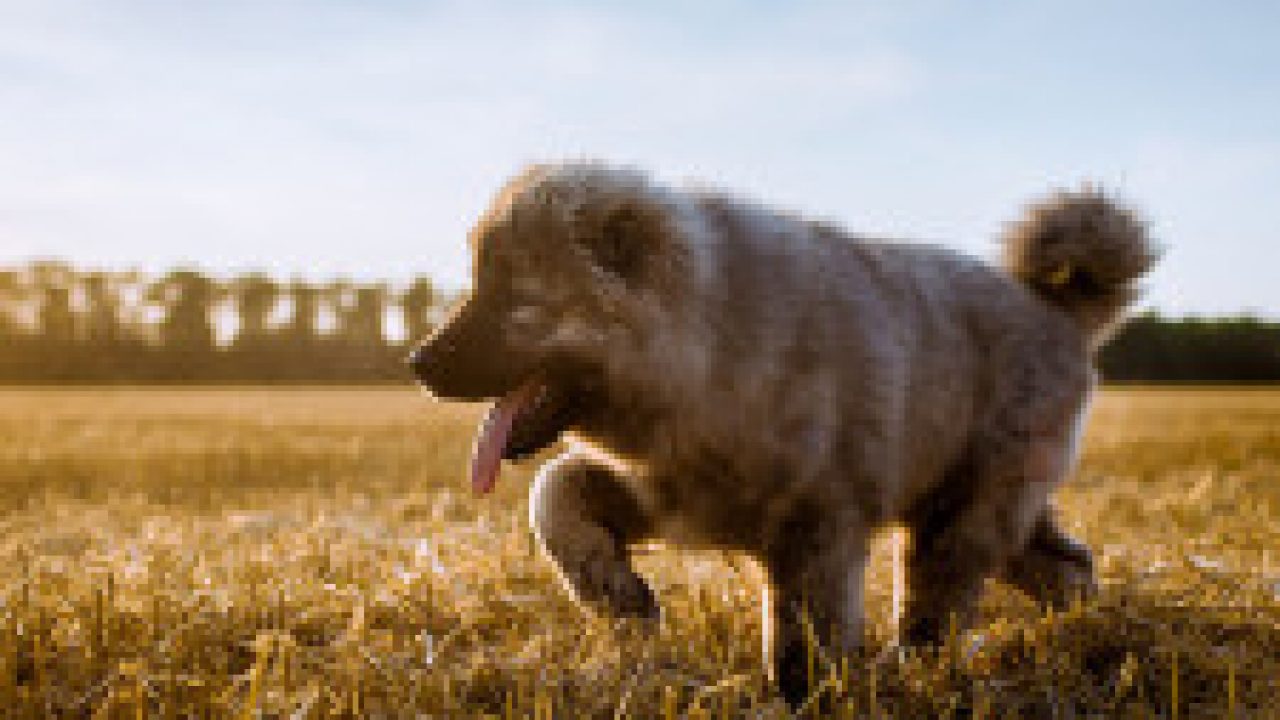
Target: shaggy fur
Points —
{"points": [[736, 377]]}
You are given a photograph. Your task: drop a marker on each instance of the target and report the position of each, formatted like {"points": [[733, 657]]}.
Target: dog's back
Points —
{"points": [[864, 367]]}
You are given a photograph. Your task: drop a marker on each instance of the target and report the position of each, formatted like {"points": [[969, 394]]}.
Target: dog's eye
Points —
{"points": [[526, 287], [619, 247], [525, 315]]}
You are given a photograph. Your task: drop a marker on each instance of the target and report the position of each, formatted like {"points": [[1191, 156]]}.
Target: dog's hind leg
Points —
{"points": [[988, 517], [1053, 568], [584, 517]]}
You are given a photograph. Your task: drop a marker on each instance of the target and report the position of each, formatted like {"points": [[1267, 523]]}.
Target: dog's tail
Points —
{"points": [[1083, 252]]}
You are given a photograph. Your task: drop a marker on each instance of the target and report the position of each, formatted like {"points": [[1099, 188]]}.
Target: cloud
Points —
{"points": [[260, 133], [345, 137]]}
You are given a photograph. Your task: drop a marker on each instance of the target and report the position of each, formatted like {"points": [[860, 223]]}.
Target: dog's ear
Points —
{"points": [[623, 239]]}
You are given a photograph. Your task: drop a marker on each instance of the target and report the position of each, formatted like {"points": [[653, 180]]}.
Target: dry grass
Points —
{"points": [[255, 553]]}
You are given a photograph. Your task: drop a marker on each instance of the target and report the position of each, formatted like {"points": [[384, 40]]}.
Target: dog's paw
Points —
{"points": [[628, 596], [617, 593], [923, 633], [791, 675]]}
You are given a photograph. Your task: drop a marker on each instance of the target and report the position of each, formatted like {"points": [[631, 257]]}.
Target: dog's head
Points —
{"points": [[568, 262]]}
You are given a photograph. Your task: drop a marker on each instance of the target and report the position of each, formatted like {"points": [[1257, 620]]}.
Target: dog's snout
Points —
{"points": [[439, 366], [416, 359], [424, 360], [467, 359]]}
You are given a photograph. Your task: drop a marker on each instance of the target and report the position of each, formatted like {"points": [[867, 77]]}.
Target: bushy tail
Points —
{"points": [[1083, 252]]}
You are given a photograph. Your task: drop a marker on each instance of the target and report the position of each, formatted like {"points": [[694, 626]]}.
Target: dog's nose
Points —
{"points": [[433, 363], [418, 360]]}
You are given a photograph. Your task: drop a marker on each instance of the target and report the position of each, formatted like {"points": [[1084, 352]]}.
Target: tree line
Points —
{"points": [[62, 325], [1155, 349]]}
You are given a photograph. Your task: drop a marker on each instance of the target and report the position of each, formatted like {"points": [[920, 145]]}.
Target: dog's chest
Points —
{"points": [[711, 501]]}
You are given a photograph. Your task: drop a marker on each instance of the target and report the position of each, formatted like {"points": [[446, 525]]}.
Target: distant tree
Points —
{"points": [[304, 320], [102, 323], [15, 345], [337, 297], [364, 320], [188, 299], [131, 292], [52, 281], [13, 293], [358, 348], [49, 355], [256, 298], [417, 303], [360, 312], [57, 319]]}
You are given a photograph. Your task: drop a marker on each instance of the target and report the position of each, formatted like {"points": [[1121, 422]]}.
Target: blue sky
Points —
{"points": [[361, 138]]}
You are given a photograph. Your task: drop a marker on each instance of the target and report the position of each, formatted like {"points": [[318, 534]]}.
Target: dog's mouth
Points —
{"points": [[519, 424]]}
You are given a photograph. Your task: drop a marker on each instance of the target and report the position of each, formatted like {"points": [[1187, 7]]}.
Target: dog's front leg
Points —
{"points": [[585, 517], [814, 604]]}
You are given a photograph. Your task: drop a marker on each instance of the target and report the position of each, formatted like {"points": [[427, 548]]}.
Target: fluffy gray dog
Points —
{"points": [[736, 377]]}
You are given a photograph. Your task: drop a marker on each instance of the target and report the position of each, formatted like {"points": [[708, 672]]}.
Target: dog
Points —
{"points": [[732, 376]]}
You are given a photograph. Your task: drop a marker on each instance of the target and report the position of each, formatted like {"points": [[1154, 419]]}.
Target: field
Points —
{"points": [[315, 553]]}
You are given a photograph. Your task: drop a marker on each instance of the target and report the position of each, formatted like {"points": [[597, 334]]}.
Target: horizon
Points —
{"points": [[360, 140], [225, 309]]}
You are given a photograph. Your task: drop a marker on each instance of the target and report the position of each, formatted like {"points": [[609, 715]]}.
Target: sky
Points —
{"points": [[362, 138]]}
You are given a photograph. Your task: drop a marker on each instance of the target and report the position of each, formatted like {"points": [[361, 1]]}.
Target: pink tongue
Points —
{"points": [[486, 456]]}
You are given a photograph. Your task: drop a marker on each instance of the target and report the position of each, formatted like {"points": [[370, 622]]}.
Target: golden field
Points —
{"points": [[315, 553]]}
